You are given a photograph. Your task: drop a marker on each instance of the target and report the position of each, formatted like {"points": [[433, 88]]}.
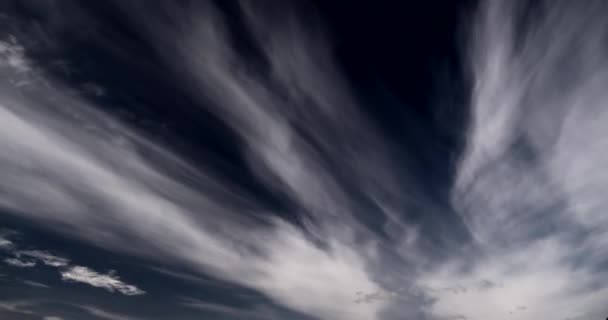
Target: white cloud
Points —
{"points": [[305, 277], [19, 263], [84, 173], [109, 281], [52, 318], [530, 184], [523, 288], [68, 273]]}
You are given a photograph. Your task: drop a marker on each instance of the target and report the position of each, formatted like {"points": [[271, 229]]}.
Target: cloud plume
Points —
{"points": [[529, 183], [341, 245], [83, 172]]}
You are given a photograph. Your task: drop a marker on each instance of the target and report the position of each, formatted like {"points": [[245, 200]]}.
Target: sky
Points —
{"points": [[302, 159]]}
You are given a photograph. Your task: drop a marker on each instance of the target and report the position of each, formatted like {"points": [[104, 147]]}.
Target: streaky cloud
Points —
{"points": [[14, 262], [108, 281], [529, 184]]}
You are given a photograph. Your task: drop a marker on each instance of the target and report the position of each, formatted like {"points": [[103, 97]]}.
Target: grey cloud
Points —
{"points": [[5, 243], [106, 315], [12, 55], [35, 284], [361, 297], [486, 284], [45, 257], [20, 263], [17, 306], [233, 312]]}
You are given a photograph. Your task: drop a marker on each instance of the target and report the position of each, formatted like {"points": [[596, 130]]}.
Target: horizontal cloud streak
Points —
{"points": [[19, 263], [45, 257], [106, 315], [107, 281], [71, 273]]}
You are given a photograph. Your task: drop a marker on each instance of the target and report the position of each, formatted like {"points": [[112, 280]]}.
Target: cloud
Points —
{"points": [[12, 55], [31, 256], [86, 173], [19, 263], [529, 185], [106, 315], [35, 284], [45, 257], [52, 318], [191, 278], [109, 281], [17, 306], [225, 310], [5, 243], [69, 272]]}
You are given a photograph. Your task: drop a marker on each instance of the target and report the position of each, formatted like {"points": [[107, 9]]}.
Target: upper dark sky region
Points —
{"points": [[303, 160]]}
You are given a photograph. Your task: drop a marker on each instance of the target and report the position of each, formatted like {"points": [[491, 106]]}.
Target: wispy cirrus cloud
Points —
{"points": [[20, 263], [36, 284], [528, 184], [17, 306], [97, 181], [108, 281], [106, 315], [530, 180], [225, 310], [69, 272], [12, 54], [44, 257]]}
